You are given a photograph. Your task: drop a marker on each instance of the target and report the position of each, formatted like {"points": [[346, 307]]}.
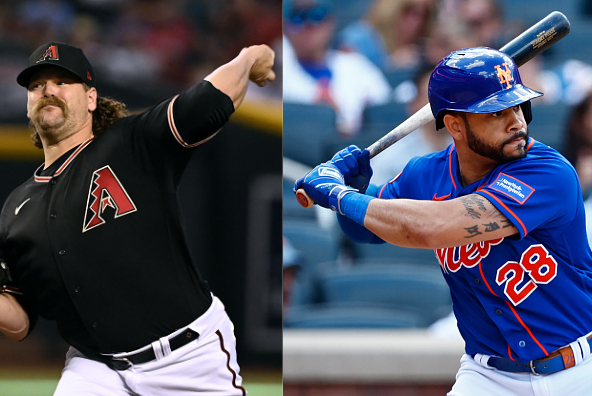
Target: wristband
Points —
{"points": [[354, 206]]}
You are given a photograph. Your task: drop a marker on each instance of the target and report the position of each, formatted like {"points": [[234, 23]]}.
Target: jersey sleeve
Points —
{"points": [[186, 120], [197, 114], [164, 137], [534, 193], [402, 185]]}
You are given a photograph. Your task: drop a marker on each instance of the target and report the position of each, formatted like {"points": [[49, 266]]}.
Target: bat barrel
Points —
{"points": [[538, 38]]}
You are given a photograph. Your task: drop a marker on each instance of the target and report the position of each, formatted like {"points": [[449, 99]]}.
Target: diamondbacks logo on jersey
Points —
{"points": [[106, 191], [51, 53], [504, 75]]}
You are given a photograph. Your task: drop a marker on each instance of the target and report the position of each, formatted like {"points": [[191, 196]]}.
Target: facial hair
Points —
{"points": [[492, 152], [41, 123]]}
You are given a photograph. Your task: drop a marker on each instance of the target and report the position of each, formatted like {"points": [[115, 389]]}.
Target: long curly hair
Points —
{"points": [[108, 111]]}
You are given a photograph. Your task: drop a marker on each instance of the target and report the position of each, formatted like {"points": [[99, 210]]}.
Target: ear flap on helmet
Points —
{"points": [[527, 111]]}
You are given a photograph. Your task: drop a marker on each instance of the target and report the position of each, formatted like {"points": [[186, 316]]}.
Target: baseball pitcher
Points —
{"points": [[94, 240]]}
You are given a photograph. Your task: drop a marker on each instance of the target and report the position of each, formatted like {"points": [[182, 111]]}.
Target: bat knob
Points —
{"points": [[303, 199]]}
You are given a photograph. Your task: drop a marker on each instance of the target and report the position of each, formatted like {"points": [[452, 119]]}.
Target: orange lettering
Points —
{"points": [[504, 75]]}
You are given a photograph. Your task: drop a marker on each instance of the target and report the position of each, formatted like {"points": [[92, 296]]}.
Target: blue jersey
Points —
{"points": [[526, 295]]}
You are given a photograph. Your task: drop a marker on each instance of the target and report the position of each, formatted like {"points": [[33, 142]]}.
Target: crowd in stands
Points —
{"points": [[372, 69], [142, 50]]}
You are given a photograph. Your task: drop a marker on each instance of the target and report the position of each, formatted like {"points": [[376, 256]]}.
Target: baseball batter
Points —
{"points": [[505, 217], [93, 240]]}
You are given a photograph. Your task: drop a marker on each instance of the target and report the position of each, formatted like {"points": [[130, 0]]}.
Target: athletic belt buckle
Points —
{"points": [[116, 360], [531, 364]]}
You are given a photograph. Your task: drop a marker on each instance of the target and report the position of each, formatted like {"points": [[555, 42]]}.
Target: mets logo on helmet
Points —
{"points": [[51, 53], [504, 75], [105, 191]]}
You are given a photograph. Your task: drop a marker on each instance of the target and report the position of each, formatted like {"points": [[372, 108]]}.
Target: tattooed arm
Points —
{"points": [[437, 224]]}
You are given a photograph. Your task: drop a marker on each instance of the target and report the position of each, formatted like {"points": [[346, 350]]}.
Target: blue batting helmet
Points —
{"points": [[477, 80]]}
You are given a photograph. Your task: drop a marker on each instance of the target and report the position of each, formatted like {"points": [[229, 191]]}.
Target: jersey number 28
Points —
{"points": [[536, 263]]}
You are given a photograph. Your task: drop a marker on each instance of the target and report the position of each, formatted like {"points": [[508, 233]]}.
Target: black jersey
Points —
{"points": [[95, 241]]}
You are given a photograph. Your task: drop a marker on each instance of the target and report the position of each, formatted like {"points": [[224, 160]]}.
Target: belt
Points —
{"points": [[128, 360], [559, 360]]}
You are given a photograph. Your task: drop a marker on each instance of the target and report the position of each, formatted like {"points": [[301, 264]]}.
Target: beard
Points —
{"points": [[42, 122], [493, 152]]}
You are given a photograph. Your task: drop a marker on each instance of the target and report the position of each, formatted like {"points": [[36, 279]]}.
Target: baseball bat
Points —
{"points": [[521, 49]]}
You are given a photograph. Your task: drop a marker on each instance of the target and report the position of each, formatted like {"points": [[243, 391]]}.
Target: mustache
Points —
{"points": [[43, 102], [522, 134]]}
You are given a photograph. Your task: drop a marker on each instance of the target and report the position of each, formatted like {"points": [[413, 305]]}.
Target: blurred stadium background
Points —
{"points": [[376, 320], [144, 51]]}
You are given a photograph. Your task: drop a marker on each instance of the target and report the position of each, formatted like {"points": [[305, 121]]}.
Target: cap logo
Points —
{"points": [[50, 53], [88, 76], [504, 75]]}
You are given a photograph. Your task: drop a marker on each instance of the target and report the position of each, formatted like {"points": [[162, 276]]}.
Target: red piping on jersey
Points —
{"points": [[515, 314], [175, 131], [485, 280], [530, 144], [527, 329], [436, 198], [389, 182], [65, 164], [508, 209], [381, 191], [450, 166], [510, 353], [228, 364]]}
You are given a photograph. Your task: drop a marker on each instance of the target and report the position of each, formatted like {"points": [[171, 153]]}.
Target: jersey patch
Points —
{"points": [[105, 191], [512, 187]]}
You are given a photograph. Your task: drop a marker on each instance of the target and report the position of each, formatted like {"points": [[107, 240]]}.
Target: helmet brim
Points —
{"points": [[502, 100]]}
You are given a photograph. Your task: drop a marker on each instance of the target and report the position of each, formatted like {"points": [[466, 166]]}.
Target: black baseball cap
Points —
{"points": [[61, 55]]}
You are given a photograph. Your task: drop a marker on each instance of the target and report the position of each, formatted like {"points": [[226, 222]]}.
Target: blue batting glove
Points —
{"points": [[325, 185], [354, 164]]}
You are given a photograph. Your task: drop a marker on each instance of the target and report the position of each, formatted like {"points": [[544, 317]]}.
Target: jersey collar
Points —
{"points": [[45, 179]]}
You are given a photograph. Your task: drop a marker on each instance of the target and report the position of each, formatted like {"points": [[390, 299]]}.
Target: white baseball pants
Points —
{"points": [[206, 366], [475, 379]]}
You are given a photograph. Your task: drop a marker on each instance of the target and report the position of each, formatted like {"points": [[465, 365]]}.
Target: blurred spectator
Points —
{"points": [[569, 82], [320, 75], [144, 50], [446, 37], [486, 20], [392, 34], [423, 141], [292, 261], [578, 150]]}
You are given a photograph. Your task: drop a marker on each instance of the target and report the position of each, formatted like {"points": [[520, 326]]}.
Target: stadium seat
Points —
{"points": [[306, 128], [394, 254], [418, 290], [335, 316], [316, 246], [379, 119], [397, 76]]}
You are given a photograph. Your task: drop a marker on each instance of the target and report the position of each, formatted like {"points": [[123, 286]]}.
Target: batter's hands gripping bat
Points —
{"points": [[523, 48]]}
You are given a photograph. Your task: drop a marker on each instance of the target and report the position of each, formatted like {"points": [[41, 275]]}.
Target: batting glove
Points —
{"points": [[325, 185], [354, 164]]}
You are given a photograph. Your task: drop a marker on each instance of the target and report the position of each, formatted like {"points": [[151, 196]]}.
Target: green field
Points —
{"points": [[45, 387], [256, 385]]}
